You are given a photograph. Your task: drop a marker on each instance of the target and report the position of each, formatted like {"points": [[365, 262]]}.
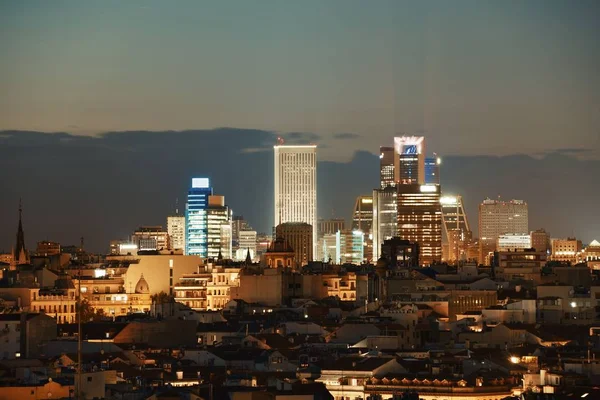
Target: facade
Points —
{"points": [[386, 167], [524, 265], [362, 220], [209, 289], [456, 228], [328, 247], [591, 255], [246, 242], [219, 233], [47, 248], [238, 224], [432, 170], [420, 219], [497, 217], [349, 247], [567, 250], [296, 185], [196, 222], [385, 217], [540, 240], [299, 237], [331, 226], [176, 231], [409, 160], [279, 254], [513, 242], [150, 238]]}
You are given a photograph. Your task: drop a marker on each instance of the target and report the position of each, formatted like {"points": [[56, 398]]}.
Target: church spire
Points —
{"points": [[20, 254], [248, 258]]}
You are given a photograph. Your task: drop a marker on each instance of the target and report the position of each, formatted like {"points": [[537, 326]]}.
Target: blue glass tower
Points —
{"points": [[432, 170], [196, 220]]}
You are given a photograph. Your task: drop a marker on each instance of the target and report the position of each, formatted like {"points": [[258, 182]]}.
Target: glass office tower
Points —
{"points": [[196, 221]]}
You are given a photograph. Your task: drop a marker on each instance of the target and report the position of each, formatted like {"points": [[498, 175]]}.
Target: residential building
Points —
{"points": [[524, 265], [176, 231], [209, 289], [420, 219], [25, 335], [513, 242], [540, 240], [497, 217], [196, 221], [567, 250], [47, 248], [150, 238], [296, 185], [299, 236]]}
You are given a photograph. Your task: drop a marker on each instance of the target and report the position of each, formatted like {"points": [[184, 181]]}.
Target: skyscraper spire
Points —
{"points": [[20, 254]]}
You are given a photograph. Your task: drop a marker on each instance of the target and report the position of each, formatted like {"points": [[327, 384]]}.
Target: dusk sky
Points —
{"points": [[476, 77], [506, 91]]}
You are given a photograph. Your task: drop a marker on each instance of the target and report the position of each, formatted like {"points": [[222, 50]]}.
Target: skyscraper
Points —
{"points": [[296, 185], [385, 217], [432, 170], [497, 217], [420, 219], [362, 220], [196, 222], [349, 247], [409, 160], [386, 167], [456, 227], [218, 227]]}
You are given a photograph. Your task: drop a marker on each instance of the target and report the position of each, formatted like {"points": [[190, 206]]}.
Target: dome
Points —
{"points": [[142, 286]]}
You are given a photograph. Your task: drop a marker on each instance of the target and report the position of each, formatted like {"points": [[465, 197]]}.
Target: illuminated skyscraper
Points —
{"points": [[386, 167], [176, 231], [456, 227], [196, 221], [296, 185], [432, 170], [349, 247], [409, 160], [420, 219], [362, 220], [218, 228], [385, 217], [497, 217]]}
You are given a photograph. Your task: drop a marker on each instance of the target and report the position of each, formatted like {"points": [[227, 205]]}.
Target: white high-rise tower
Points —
{"points": [[296, 185]]}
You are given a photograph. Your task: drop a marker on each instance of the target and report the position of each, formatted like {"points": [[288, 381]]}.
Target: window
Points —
{"points": [[89, 378]]}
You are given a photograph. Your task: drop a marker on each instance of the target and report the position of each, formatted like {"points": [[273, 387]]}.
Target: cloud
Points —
{"points": [[300, 137], [343, 136]]}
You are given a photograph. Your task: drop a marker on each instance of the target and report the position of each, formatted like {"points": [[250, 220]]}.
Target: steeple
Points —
{"points": [[220, 256], [20, 254], [248, 258]]}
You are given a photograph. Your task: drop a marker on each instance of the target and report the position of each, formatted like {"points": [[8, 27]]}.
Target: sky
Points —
{"points": [[505, 92], [476, 77]]}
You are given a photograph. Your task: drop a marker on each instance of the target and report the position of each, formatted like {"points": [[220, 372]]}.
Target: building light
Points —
{"points": [[573, 304], [201, 183], [515, 360], [428, 188]]}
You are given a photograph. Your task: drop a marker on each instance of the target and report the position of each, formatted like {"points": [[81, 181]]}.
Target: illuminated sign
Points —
{"points": [[449, 200], [200, 183], [428, 188], [411, 149], [367, 201]]}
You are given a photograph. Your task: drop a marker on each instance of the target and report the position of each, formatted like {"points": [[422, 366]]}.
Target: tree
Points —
{"points": [[87, 311], [162, 298]]}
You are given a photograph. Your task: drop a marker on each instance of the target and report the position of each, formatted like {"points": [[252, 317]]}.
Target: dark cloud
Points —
{"points": [[343, 136], [104, 187]]}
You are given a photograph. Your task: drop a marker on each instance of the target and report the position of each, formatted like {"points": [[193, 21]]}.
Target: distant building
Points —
{"points": [[432, 170], [328, 247], [362, 220], [279, 254], [567, 250], [591, 255], [219, 233], [420, 219], [331, 226], [497, 217], [540, 240], [349, 247], [409, 160], [513, 242], [176, 231], [238, 224], [299, 236], [47, 248], [400, 253], [150, 238], [456, 228], [246, 242], [386, 167], [296, 185], [385, 217], [196, 222], [523, 265]]}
